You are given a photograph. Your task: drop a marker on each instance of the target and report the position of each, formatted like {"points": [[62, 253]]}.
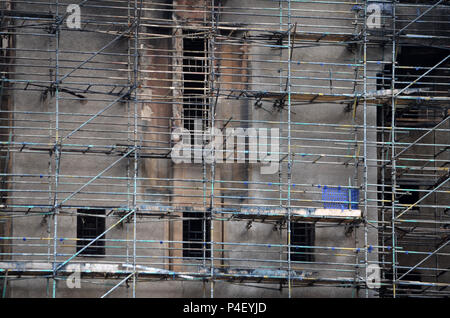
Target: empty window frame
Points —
{"points": [[90, 224], [412, 63], [406, 195], [195, 81], [302, 234], [196, 234], [409, 194]]}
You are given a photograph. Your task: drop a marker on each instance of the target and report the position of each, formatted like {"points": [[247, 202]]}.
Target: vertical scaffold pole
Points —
{"points": [[393, 157], [56, 148], [366, 179], [289, 176]]}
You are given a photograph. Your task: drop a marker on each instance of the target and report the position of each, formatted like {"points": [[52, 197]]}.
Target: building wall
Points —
{"points": [[34, 173]]}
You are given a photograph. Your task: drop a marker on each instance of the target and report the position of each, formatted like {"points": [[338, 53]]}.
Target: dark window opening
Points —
{"points": [[412, 62], [409, 195], [89, 226], [195, 73], [196, 234], [302, 234], [405, 195]]}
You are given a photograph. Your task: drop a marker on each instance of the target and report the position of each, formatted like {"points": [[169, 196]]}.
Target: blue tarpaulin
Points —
{"points": [[338, 198]]}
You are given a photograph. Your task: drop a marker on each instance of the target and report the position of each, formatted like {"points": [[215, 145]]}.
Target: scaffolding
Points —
{"points": [[91, 115]]}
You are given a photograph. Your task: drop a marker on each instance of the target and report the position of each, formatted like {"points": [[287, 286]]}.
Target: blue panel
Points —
{"points": [[338, 198]]}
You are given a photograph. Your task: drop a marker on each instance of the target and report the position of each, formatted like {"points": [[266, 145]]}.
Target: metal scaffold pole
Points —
{"points": [[57, 149], [366, 176], [393, 151]]}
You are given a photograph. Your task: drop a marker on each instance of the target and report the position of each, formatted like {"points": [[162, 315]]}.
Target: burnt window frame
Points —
{"points": [[196, 105], [97, 223], [408, 197], [404, 195], [302, 234], [194, 223], [411, 64]]}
